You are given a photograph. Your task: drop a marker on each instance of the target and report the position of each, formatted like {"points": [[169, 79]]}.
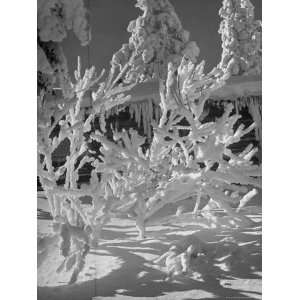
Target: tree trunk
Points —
{"points": [[140, 225]]}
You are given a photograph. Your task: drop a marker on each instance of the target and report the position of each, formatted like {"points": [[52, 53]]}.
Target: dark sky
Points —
{"points": [[109, 20]]}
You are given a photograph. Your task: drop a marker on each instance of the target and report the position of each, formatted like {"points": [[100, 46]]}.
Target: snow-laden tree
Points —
{"points": [[63, 122], [183, 160], [62, 117], [54, 19], [157, 38], [201, 144], [241, 38]]}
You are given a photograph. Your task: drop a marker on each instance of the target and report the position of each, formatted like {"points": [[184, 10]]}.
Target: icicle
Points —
{"points": [[106, 114], [256, 118], [254, 110], [240, 104], [150, 109], [134, 112], [236, 106], [144, 116], [137, 114], [140, 114], [244, 102], [131, 111], [148, 119], [133, 106]]}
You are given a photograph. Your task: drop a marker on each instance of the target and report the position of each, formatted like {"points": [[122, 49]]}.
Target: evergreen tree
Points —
{"points": [[157, 38], [241, 38], [54, 20]]}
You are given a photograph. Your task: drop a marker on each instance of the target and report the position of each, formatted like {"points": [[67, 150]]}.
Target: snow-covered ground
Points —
{"points": [[121, 266]]}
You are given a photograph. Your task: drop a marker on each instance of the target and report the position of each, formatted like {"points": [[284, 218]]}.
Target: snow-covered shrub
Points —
{"points": [[183, 160], [64, 121], [205, 144], [241, 38], [193, 257], [157, 38]]}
